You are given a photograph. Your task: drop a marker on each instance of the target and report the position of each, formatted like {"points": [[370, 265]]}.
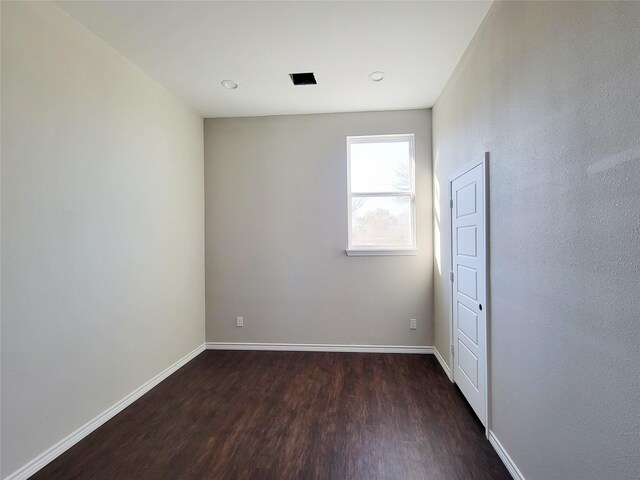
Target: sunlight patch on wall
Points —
{"points": [[436, 226]]}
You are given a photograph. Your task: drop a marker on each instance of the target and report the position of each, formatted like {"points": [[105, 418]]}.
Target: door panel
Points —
{"points": [[468, 323], [469, 286], [468, 281], [467, 241], [466, 200], [468, 363]]}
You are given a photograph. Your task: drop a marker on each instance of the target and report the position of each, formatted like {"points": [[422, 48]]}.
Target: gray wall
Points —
{"points": [[551, 90], [276, 234], [102, 229]]}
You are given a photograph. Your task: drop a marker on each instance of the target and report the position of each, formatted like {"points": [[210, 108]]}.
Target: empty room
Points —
{"points": [[320, 240]]}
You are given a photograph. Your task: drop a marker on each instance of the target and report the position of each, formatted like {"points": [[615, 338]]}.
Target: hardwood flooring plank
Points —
{"points": [[245, 415]]}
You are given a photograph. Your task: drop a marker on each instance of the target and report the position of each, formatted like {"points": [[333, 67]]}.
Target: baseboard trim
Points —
{"points": [[443, 364], [69, 441], [504, 456], [319, 347]]}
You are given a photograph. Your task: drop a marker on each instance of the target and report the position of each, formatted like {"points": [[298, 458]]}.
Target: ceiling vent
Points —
{"points": [[303, 78]]}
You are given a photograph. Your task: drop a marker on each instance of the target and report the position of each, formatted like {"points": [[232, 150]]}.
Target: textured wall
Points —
{"points": [[102, 229], [276, 234], [551, 89]]}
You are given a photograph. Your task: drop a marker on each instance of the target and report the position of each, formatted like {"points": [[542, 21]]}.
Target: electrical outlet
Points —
{"points": [[413, 324], [239, 321]]}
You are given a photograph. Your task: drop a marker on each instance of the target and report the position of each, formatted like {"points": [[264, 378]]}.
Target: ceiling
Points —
{"points": [[190, 47]]}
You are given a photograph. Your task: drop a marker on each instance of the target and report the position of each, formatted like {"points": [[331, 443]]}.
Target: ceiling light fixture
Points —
{"points": [[376, 76], [230, 84]]}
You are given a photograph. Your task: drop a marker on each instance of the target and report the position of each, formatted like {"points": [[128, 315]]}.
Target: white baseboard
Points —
{"points": [[318, 347], [504, 456], [443, 364], [69, 441]]}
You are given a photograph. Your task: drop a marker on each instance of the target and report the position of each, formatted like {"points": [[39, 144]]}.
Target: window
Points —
{"points": [[382, 200]]}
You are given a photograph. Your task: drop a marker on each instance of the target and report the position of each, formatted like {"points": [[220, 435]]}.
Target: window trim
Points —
{"points": [[365, 250]]}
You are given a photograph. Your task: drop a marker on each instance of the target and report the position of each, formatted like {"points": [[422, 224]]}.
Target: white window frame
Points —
{"points": [[363, 250]]}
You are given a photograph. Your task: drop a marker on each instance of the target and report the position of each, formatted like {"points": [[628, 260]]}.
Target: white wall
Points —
{"points": [[276, 234], [102, 229], [551, 90]]}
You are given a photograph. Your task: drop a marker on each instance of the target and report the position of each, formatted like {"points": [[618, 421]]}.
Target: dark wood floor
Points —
{"points": [[289, 415]]}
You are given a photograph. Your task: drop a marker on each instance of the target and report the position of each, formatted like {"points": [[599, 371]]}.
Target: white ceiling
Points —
{"points": [[190, 47]]}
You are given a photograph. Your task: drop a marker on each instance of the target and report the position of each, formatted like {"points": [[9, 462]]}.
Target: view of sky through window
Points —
{"points": [[380, 167]]}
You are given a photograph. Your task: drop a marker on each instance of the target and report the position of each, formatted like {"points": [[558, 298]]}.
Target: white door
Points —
{"points": [[469, 285]]}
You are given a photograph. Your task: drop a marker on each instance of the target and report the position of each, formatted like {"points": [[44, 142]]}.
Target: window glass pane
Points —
{"points": [[381, 221], [380, 167]]}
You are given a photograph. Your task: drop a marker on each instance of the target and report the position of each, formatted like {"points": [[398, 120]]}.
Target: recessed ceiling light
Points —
{"points": [[230, 84], [376, 76]]}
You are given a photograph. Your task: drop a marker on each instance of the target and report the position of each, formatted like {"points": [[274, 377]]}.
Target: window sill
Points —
{"points": [[381, 252]]}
